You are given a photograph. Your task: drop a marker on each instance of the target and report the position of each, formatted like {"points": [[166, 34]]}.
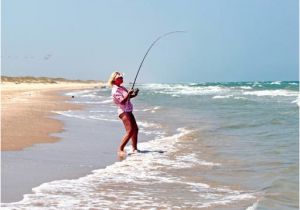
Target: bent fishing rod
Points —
{"points": [[153, 43]]}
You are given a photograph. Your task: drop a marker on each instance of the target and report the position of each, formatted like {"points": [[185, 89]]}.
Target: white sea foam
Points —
{"points": [[91, 96], [148, 124], [226, 96], [240, 97], [152, 110], [272, 93], [276, 83], [253, 207], [156, 107], [157, 133], [246, 87], [206, 163], [102, 118], [149, 128], [257, 84], [70, 113], [192, 159], [230, 96], [178, 90], [144, 181], [296, 101], [193, 83]]}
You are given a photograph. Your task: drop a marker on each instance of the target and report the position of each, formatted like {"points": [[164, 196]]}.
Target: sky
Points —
{"points": [[226, 40]]}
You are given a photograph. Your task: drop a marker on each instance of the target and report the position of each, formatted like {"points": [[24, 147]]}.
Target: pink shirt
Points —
{"points": [[118, 93]]}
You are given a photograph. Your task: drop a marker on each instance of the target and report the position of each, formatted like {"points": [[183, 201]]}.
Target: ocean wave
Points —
{"points": [[253, 207], [149, 128], [220, 91], [102, 118], [207, 163], [276, 83], [144, 180], [70, 113], [272, 93], [91, 96], [257, 84], [240, 97], [148, 124], [179, 89], [246, 87], [229, 96], [192, 159], [296, 101], [156, 133], [150, 109]]}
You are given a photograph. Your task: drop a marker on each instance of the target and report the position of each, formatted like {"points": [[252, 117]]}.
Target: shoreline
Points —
{"points": [[27, 110], [70, 158], [44, 161]]}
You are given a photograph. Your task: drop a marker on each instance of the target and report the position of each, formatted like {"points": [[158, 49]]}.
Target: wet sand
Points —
{"points": [[82, 149]]}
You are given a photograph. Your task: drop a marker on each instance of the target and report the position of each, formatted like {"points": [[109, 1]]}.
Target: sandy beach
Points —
{"points": [[26, 108]]}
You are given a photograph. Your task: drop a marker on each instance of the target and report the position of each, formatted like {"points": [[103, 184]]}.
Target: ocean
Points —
{"points": [[218, 146]]}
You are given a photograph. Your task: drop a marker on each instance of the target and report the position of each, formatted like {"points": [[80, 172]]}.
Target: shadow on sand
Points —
{"points": [[147, 151]]}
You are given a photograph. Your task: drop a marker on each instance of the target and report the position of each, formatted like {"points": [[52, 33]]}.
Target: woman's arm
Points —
{"points": [[127, 97]]}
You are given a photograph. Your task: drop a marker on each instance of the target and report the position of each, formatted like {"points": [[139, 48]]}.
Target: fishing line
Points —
{"points": [[153, 43]]}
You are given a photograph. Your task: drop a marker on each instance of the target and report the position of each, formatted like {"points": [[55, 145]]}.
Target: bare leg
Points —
{"points": [[126, 118], [134, 137], [134, 140]]}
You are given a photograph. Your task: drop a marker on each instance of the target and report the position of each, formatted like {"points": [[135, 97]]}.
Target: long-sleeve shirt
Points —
{"points": [[118, 94]]}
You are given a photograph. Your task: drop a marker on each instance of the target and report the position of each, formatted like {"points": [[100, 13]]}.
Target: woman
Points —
{"points": [[121, 97]]}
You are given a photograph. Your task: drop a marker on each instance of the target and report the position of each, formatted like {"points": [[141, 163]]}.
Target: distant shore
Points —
{"points": [[26, 105]]}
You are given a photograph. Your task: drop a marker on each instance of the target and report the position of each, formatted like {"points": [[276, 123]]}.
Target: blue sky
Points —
{"points": [[230, 40]]}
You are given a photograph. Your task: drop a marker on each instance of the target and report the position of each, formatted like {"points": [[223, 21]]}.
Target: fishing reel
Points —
{"points": [[135, 91]]}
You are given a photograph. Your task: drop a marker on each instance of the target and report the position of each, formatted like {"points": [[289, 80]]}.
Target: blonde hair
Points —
{"points": [[111, 80]]}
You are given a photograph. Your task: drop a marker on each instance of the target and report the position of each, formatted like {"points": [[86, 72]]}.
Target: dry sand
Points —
{"points": [[25, 111]]}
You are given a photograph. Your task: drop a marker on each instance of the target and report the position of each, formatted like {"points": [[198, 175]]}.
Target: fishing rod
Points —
{"points": [[153, 43]]}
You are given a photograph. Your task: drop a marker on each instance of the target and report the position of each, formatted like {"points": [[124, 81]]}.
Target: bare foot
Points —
{"points": [[121, 153]]}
